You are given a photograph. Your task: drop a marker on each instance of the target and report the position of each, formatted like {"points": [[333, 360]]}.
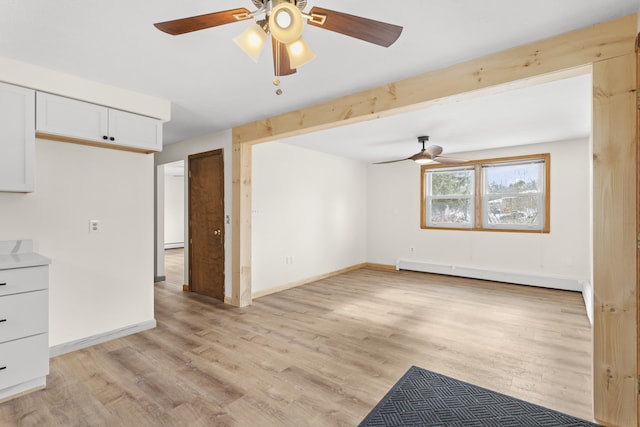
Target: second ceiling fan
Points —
{"points": [[426, 155], [284, 20]]}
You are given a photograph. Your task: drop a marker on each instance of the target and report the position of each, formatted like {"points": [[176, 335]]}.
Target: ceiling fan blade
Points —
{"points": [[369, 30], [281, 64], [449, 160], [200, 22], [433, 150], [391, 161]]}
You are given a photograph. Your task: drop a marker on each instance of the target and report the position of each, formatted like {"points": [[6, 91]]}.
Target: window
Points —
{"points": [[509, 194], [449, 197]]}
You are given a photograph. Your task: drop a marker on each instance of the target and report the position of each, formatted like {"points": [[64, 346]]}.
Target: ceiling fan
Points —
{"points": [[430, 154], [284, 19]]}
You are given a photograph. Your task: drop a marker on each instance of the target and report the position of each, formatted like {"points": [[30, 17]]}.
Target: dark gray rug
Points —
{"points": [[424, 398]]}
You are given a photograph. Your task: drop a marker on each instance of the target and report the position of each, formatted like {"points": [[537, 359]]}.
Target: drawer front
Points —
{"points": [[16, 280], [24, 360], [24, 314]]}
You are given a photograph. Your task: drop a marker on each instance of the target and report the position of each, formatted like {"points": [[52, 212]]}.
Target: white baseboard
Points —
{"points": [[70, 346], [174, 245], [563, 283]]}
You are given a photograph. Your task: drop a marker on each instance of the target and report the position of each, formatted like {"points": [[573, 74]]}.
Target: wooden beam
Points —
{"points": [[574, 49], [615, 331], [241, 226], [638, 216]]}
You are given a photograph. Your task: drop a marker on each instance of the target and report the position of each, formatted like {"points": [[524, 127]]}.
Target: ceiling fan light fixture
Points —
{"points": [[252, 40], [299, 53], [286, 23], [424, 161]]}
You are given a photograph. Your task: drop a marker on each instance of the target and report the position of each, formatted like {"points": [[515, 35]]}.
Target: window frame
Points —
{"points": [[478, 195]]}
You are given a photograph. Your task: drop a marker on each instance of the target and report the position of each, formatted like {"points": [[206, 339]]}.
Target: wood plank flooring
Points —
{"points": [[322, 354]]}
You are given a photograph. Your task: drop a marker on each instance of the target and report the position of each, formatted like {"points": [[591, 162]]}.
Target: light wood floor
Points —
{"points": [[322, 354]]}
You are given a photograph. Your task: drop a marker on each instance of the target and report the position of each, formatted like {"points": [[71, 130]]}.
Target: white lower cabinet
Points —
{"points": [[23, 366], [68, 119], [24, 326]]}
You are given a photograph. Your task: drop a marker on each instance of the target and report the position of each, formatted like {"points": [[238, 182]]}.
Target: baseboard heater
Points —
{"points": [[493, 275]]}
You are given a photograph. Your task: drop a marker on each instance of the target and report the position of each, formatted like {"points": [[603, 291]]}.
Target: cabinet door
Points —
{"points": [[70, 118], [133, 130], [17, 140]]}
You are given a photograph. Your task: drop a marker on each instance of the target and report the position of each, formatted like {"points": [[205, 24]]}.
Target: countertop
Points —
{"points": [[19, 254]]}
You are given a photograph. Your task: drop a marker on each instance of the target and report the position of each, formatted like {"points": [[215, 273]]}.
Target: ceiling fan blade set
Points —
{"points": [[368, 30], [433, 150], [392, 161], [449, 160], [289, 49], [430, 154], [281, 62], [201, 22]]}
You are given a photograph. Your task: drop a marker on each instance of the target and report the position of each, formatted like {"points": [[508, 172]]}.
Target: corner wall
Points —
{"points": [[309, 215], [100, 282]]}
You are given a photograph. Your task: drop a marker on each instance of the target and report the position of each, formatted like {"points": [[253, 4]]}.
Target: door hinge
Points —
{"points": [[638, 240]]}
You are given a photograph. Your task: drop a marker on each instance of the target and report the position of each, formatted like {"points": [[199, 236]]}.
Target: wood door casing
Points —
{"points": [[638, 217], [206, 224]]}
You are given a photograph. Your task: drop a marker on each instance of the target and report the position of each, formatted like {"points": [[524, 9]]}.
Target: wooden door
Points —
{"points": [[206, 224]]}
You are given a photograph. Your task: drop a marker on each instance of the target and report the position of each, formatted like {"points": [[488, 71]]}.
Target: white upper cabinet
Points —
{"points": [[70, 118], [17, 142], [134, 130], [61, 118]]}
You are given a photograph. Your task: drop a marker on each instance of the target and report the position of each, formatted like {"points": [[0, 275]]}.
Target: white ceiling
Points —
{"points": [[213, 86]]}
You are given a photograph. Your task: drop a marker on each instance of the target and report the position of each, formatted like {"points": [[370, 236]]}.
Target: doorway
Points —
{"points": [[174, 224], [206, 223]]}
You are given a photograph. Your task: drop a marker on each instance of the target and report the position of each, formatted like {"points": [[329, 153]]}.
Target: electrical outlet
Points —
{"points": [[94, 226]]}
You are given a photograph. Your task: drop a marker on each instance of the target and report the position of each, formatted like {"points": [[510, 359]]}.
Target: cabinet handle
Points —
{"points": [[3, 320], [3, 284], [2, 367], [105, 137], [112, 139]]}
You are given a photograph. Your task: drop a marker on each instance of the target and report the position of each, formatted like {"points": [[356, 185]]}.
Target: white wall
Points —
{"points": [[181, 151], [309, 214], [394, 221], [173, 211], [98, 282]]}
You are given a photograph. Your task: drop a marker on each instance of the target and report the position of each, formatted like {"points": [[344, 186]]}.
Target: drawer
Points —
{"points": [[16, 280], [24, 360], [23, 314]]}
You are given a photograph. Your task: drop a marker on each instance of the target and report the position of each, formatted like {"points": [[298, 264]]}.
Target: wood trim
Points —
{"points": [[566, 51], [112, 145], [381, 267], [241, 225], [615, 331], [638, 216], [306, 281]]}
